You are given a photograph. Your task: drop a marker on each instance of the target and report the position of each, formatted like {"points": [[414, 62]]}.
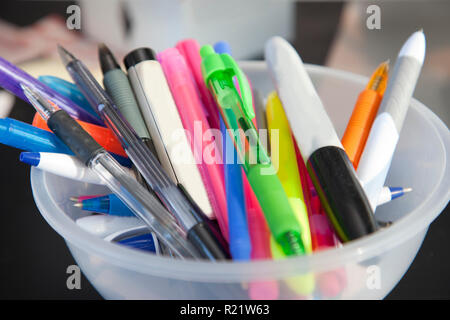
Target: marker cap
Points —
{"points": [[138, 55], [31, 158]]}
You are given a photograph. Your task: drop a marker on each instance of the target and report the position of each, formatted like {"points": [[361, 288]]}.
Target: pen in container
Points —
{"points": [[385, 132], [237, 113], [192, 221], [24, 136], [105, 137], [118, 87], [137, 198], [329, 167], [64, 165], [68, 90], [12, 76], [202, 140], [164, 124]]}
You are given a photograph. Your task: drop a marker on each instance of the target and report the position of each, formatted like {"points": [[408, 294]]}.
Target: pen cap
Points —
{"points": [[175, 67], [138, 55], [24, 136], [222, 47], [213, 62], [340, 193], [74, 136]]}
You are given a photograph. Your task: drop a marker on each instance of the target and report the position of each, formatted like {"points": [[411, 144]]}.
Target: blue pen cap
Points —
{"points": [[222, 47], [147, 242], [31, 158]]}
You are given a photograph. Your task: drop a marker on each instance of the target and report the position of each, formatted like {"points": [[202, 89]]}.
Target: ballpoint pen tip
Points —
{"points": [[406, 190], [78, 205], [65, 55], [73, 199]]}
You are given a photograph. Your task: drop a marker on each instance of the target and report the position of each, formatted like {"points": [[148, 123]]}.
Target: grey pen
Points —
{"points": [[193, 222], [137, 198], [118, 87], [385, 132]]}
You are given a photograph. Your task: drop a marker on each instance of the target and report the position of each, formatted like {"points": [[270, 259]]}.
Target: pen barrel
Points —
{"points": [[118, 87], [276, 207], [361, 120], [341, 194], [201, 237], [74, 136]]}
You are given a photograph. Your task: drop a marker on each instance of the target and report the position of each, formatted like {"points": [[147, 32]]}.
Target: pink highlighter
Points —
{"points": [[190, 49], [258, 229], [189, 106]]}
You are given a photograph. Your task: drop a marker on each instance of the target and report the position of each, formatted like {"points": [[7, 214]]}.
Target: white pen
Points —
{"points": [[383, 137], [330, 169], [161, 117], [64, 165]]}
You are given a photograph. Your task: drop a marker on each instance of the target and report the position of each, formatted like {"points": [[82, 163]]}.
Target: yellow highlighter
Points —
{"points": [[284, 161]]}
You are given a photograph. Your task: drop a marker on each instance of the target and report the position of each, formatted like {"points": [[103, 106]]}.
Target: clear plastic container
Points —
{"points": [[367, 268]]}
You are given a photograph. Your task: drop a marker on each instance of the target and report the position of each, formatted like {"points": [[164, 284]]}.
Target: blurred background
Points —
{"points": [[34, 258]]}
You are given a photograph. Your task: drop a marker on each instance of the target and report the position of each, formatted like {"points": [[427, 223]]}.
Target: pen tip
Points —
{"points": [[65, 55], [406, 190], [73, 199], [78, 205], [107, 60]]}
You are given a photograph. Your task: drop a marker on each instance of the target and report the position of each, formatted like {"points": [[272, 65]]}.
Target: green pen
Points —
{"points": [[218, 72]]}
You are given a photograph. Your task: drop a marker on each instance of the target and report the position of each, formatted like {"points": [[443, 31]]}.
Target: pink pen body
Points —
{"points": [[206, 153], [190, 49]]}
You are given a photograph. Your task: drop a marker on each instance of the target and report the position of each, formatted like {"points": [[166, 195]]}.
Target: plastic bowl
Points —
{"points": [[367, 268]]}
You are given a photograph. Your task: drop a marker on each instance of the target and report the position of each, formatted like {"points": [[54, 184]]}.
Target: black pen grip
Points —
{"points": [[74, 136], [341, 194]]}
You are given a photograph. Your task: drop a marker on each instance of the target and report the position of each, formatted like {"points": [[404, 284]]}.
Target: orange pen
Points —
{"points": [[366, 107], [104, 136]]}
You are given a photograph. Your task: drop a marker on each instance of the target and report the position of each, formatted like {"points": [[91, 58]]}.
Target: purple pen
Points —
{"points": [[12, 76]]}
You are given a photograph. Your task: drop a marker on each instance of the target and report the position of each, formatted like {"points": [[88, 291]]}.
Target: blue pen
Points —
{"points": [[70, 91], [239, 238], [108, 204], [24, 136]]}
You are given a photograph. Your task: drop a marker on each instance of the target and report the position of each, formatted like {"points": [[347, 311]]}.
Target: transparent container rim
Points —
{"points": [[205, 271]]}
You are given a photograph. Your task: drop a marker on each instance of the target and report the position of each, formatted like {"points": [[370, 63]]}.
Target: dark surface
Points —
{"points": [[34, 258]]}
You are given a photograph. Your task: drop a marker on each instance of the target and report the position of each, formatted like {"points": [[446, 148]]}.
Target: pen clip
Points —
{"points": [[213, 62], [246, 94]]}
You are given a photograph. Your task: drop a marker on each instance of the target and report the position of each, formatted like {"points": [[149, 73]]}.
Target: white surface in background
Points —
{"points": [[246, 25]]}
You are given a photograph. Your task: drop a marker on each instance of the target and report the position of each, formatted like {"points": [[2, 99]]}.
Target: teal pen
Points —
{"points": [[70, 91], [118, 87]]}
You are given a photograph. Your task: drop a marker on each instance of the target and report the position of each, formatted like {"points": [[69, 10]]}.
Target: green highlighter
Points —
{"points": [[236, 110]]}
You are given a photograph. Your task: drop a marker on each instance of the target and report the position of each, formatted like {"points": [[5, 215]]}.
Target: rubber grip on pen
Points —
{"points": [[361, 120], [276, 207], [118, 86], [340, 193], [74, 136]]}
